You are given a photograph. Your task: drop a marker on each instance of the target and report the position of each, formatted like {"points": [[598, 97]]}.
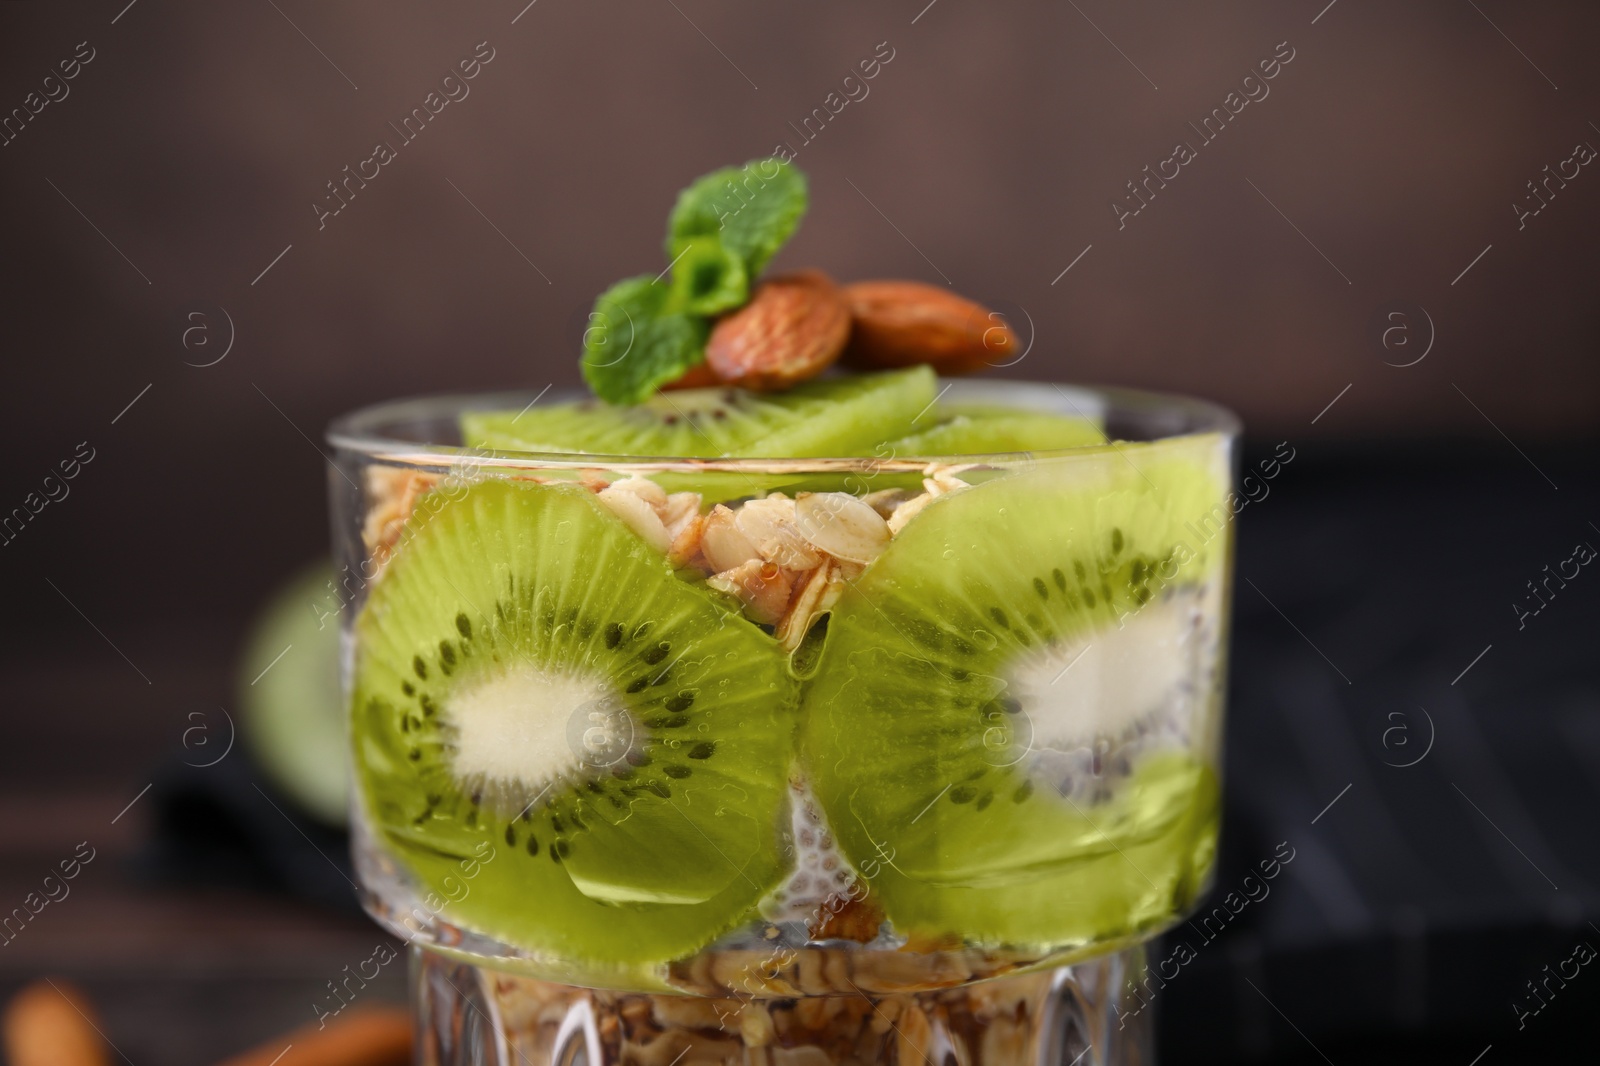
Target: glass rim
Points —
{"points": [[367, 431]]}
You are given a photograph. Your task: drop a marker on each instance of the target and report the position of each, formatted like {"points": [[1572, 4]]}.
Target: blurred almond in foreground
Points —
{"points": [[50, 1023]]}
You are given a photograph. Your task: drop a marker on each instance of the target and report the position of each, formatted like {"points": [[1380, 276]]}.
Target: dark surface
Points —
{"points": [[1420, 902]]}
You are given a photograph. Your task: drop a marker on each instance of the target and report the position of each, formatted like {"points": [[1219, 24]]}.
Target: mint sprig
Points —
{"points": [[726, 226], [634, 343], [708, 278], [752, 209]]}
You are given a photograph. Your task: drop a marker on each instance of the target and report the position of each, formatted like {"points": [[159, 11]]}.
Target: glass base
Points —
{"points": [[1069, 1016]]}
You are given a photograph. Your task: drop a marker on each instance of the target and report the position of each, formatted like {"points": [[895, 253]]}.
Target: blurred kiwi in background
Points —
{"points": [[293, 709]]}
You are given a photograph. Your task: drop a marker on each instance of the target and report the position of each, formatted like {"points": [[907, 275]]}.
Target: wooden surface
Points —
{"points": [[181, 974]]}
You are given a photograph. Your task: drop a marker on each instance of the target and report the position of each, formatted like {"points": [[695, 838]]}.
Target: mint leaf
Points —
{"points": [[634, 343], [753, 209], [708, 278]]}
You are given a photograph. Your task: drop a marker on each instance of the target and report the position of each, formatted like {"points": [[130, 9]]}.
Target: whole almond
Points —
{"points": [[903, 323], [792, 329]]}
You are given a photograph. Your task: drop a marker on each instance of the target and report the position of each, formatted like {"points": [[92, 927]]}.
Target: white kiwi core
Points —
{"points": [[521, 728], [1105, 683]]}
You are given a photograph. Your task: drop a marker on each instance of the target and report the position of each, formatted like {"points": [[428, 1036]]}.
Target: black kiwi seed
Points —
{"points": [[703, 750], [999, 617], [447, 656], [663, 677], [511, 836], [464, 626], [963, 794], [1142, 594], [983, 801], [638, 684], [681, 702], [1088, 598], [1116, 541], [1136, 572], [1060, 579], [575, 820], [405, 723], [1023, 792], [533, 846], [662, 721], [638, 758], [555, 823], [415, 755], [678, 772], [1041, 588], [1077, 568], [525, 816], [555, 855], [657, 653], [427, 705], [408, 688], [477, 798], [595, 787], [420, 667], [613, 634], [563, 847]]}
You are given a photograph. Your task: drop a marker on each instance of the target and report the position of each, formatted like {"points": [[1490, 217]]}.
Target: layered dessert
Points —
{"points": [[753, 680]]}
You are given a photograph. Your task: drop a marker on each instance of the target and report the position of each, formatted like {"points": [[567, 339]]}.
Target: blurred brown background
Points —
{"points": [[179, 172]]}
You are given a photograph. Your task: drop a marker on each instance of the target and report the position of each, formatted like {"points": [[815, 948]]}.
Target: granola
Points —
{"points": [[786, 560]]}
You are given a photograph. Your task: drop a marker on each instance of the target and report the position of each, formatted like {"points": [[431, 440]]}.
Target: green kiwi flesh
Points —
{"points": [[828, 417], [532, 684], [986, 430], [949, 767]]}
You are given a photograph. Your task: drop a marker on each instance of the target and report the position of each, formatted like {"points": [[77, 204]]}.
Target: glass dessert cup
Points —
{"points": [[838, 759]]}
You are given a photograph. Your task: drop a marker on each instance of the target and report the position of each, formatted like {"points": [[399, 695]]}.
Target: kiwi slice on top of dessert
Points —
{"points": [[533, 684], [827, 417], [982, 429], [999, 723]]}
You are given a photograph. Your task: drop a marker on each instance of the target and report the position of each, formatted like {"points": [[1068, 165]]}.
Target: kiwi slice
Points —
{"points": [[978, 430], [828, 417], [533, 683], [998, 726]]}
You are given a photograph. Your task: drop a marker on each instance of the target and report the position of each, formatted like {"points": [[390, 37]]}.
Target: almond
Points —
{"points": [[721, 542], [792, 329], [698, 376], [840, 525], [903, 323], [764, 588], [639, 516]]}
